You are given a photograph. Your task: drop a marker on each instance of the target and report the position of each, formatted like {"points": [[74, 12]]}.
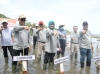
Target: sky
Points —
{"points": [[68, 12]]}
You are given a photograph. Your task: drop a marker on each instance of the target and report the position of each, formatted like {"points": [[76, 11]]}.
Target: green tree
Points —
{"points": [[3, 16]]}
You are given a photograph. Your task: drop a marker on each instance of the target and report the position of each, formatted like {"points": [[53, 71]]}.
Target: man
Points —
{"points": [[74, 45], [41, 39], [6, 39], [62, 39], [21, 39], [85, 42], [35, 36]]}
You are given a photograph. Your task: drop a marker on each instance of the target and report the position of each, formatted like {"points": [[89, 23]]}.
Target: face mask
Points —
{"points": [[61, 28]]}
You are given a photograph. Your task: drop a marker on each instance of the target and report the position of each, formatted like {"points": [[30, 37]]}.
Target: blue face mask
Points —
{"points": [[61, 28]]}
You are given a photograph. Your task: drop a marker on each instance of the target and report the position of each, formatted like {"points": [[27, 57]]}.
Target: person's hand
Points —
{"points": [[29, 47], [73, 38], [43, 44], [84, 31], [60, 49], [41, 28], [55, 33], [92, 47], [26, 27], [66, 44], [1, 29]]}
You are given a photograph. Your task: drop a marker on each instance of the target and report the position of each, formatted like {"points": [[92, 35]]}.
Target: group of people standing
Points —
{"points": [[48, 40]]}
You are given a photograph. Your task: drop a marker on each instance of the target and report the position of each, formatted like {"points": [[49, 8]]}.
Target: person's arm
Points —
{"points": [[82, 32], [49, 32], [58, 43], [1, 29], [66, 38], [29, 40], [12, 35], [19, 28]]}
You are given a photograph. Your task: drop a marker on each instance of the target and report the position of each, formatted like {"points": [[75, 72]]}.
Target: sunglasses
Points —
{"points": [[4, 23], [23, 19]]}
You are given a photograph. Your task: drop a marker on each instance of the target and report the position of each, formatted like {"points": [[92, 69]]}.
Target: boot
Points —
{"points": [[75, 62], [39, 59], [13, 69], [71, 59], [75, 55], [6, 59], [58, 55], [50, 65], [44, 66], [82, 64], [88, 63]]}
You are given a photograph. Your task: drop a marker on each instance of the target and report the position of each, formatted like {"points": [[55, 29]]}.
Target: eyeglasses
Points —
{"points": [[23, 19]]}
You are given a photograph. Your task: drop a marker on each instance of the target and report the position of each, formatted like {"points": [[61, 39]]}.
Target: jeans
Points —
{"points": [[85, 52]]}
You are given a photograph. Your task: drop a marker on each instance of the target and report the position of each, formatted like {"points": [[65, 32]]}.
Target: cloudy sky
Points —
{"points": [[68, 12]]}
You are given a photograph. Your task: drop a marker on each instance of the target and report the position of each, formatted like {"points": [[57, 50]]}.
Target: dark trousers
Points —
{"points": [[17, 53], [34, 41], [63, 45], [5, 48], [48, 57]]}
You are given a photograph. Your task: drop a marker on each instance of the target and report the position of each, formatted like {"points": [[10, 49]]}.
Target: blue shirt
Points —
{"points": [[6, 39]]}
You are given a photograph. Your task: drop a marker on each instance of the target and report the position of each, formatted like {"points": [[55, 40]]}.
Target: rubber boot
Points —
{"points": [[88, 63], [6, 59], [75, 62], [58, 55], [13, 69], [82, 64], [50, 65], [44, 66], [39, 59], [71, 59]]}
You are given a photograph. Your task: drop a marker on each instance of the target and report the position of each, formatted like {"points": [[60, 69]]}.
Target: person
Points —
{"points": [[74, 45], [62, 39], [51, 45], [6, 39], [41, 40], [34, 28], [85, 43], [21, 40]]}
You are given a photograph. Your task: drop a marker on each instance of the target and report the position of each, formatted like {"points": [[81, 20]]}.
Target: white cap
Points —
{"points": [[4, 21], [36, 25], [21, 16]]}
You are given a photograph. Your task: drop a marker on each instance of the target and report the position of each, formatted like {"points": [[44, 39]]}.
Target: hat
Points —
{"points": [[85, 23], [4, 21], [61, 25], [41, 23], [21, 16]]}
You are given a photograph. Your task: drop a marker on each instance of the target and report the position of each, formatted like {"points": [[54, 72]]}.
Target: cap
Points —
{"points": [[41, 23], [4, 21], [22, 16], [85, 23], [36, 25]]}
